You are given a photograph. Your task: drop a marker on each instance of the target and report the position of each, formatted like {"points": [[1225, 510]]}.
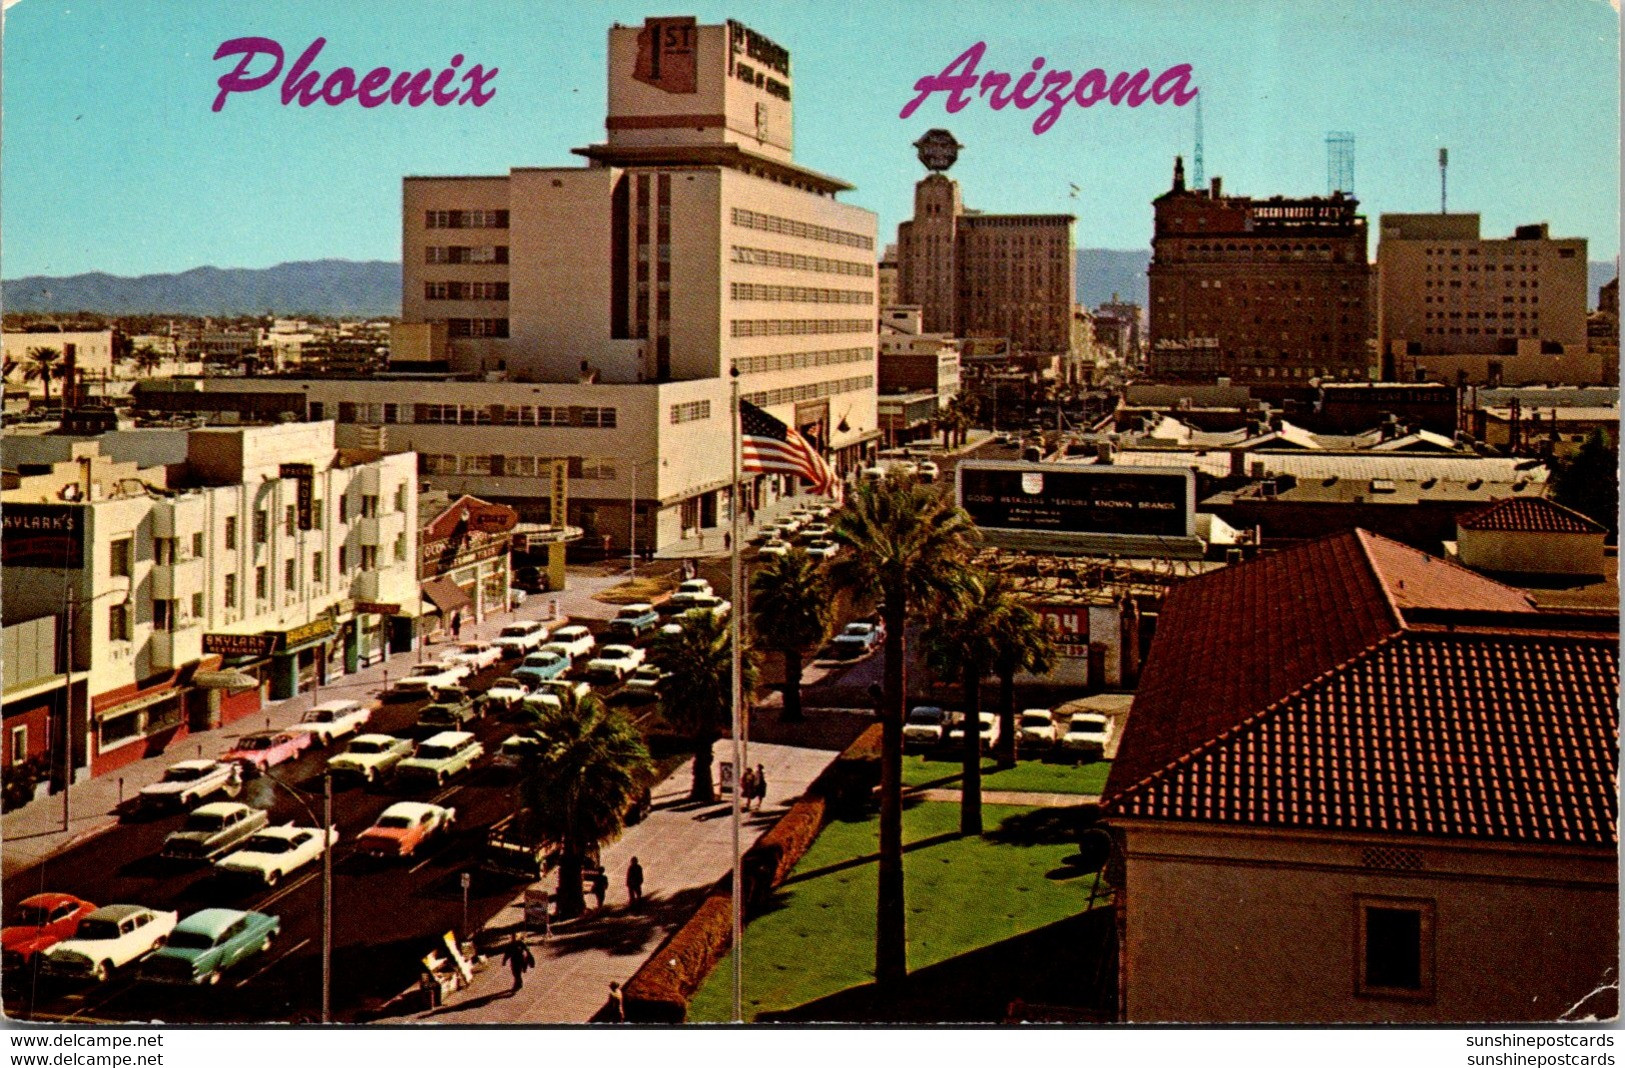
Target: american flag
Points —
{"points": [[769, 446]]}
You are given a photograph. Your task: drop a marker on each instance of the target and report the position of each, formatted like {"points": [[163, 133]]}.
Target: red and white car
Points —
{"points": [[37, 924], [403, 827], [267, 749]]}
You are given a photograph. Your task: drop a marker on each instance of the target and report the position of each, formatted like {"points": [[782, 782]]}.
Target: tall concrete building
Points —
{"points": [[1262, 291], [595, 314], [976, 275], [1443, 290]]}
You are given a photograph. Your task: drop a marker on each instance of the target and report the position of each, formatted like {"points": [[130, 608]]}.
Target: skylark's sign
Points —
{"points": [[1063, 499], [239, 644], [43, 535]]}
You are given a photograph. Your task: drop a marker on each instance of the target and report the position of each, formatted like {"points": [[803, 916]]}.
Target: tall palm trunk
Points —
{"points": [[571, 901], [970, 782], [792, 686], [1007, 720], [703, 788], [891, 938]]}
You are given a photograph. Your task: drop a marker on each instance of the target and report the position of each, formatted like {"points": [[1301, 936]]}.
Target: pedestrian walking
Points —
{"points": [[747, 787], [760, 786], [599, 887], [519, 959], [617, 1003], [456, 625], [634, 881], [727, 541]]}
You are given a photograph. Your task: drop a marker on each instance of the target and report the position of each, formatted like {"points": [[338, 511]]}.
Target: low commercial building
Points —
{"points": [[464, 560], [269, 552], [1530, 536], [1375, 784]]}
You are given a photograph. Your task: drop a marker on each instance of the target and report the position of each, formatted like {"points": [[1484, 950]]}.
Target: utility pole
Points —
{"points": [[327, 898]]}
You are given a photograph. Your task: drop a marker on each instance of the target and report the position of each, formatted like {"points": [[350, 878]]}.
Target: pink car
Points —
{"points": [[267, 749]]}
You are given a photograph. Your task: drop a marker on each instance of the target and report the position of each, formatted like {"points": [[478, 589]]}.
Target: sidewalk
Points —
{"points": [[684, 850], [34, 832]]}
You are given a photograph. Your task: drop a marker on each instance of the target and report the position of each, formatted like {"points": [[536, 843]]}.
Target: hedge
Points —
{"points": [[660, 990]]}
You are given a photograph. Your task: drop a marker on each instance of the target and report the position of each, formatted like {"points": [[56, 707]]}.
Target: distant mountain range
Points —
{"points": [[346, 288], [331, 288]]}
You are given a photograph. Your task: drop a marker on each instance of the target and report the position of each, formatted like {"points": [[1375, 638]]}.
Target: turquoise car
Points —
{"points": [[206, 943]]}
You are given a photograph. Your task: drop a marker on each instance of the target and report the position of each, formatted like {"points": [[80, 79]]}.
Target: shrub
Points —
{"points": [[661, 989]]}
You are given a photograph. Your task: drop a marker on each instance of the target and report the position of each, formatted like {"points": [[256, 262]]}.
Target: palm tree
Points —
{"points": [[44, 368], [790, 607], [146, 359], [592, 767], [962, 640], [1025, 641], [907, 540], [699, 699]]}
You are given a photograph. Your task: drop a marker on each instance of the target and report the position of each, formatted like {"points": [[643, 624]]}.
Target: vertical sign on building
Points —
{"points": [[666, 54], [304, 476], [559, 516]]}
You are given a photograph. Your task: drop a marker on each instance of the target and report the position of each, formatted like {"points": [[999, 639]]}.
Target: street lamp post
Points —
{"points": [[327, 878]]}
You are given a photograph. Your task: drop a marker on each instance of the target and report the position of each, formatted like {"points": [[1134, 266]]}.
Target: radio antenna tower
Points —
{"points": [[1199, 179], [1444, 167], [1339, 162]]}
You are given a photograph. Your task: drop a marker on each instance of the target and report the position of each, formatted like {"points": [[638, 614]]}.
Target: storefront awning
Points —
{"points": [[135, 704], [225, 680], [447, 596]]}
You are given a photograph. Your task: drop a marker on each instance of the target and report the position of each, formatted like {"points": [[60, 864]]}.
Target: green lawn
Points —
{"points": [[1032, 775], [961, 894]]}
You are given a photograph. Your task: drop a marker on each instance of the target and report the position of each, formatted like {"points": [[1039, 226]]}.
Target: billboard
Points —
{"points": [[1061, 499], [44, 535]]}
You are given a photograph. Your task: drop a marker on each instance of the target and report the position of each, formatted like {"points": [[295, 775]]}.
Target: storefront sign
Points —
{"points": [[304, 476], [239, 644], [492, 519], [43, 535], [558, 516], [377, 608], [316, 628]]}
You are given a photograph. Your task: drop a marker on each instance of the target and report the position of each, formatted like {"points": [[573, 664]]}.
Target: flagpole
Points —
{"points": [[736, 578]]}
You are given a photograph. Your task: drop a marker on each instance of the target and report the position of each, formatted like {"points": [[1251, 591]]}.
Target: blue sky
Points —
{"points": [[114, 161]]}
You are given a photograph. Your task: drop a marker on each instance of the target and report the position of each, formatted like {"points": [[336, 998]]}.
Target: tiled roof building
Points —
{"points": [[1350, 735]]}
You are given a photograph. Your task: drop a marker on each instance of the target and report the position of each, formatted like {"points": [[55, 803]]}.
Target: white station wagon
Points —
{"points": [[107, 939]]}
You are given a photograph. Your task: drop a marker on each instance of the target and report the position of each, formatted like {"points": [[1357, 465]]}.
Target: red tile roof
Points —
{"points": [[1292, 691], [1529, 515]]}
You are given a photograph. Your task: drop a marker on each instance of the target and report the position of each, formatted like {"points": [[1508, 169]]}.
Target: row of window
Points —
{"points": [[466, 291], [479, 415], [466, 254], [810, 391], [1506, 331], [795, 261], [780, 327], [1472, 268], [1489, 250], [774, 224], [477, 327], [465, 220], [799, 294], [788, 361], [690, 412], [582, 467], [1487, 315]]}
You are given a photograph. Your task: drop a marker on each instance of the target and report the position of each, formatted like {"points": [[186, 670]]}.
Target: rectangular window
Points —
{"points": [[369, 506], [344, 509], [163, 551], [231, 591], [290, 520], [400, 497], [19, 745], [197, 544], [118, 623], [400, 548], [344, 559], [290, 575], [197, 606], [369, 557], [1395, 957], [316, 567], [231, 532], [163, 614], [262, 526], [119, 558], [261, 583], [315, 515]]}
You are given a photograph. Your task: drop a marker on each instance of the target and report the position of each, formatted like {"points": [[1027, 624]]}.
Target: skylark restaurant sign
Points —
{"points": [[267, 643], [43, 535]]}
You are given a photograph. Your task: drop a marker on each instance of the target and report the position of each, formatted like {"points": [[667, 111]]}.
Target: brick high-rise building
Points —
{"points": [[976, 275], [1263, 291]]}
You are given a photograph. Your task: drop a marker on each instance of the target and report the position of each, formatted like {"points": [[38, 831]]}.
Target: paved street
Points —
{"points": [[684, 850]]}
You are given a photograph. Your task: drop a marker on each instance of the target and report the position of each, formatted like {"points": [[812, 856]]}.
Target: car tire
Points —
{"points": [[265, 946], [213, 979], [102, 972], [369, 776], [272, 877], [440, 779]]}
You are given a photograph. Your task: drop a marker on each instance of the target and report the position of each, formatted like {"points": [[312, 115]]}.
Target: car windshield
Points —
{"points": [[203, 821], [254, 743], [475, 647], [370, 747], [397, 822], [614, 654], [570, 634], [267, 844], [1034, 719], [857, 630], [541, 659], [514, 632], [507, 682], [183, 774], [32, 916], [435, 752], [190, 940], [96, 929], [928, 716], [1086, 727]]}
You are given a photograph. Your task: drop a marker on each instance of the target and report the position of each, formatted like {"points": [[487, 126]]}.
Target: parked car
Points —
{"points": [[774, 546], [816, 532], [404, 827], [1035, 728], [1087, 734], [451, 710], [433, 676], [505, 853], [989, 731], [371, 756], [38, 923], [206, 943], [537, 705], [213, 829], [519, 749], [710, 603], [539, 667], [634, 621], [646, 681], [267, 749], [574, 641], [332, 720], [695, 585], [855, 640], [517, 639], [191, 781], [678, 603], [616, 660], [477, 655], [929, 471], [108, 939], [568, 692], [924, 726], [440, 757], [276, 852], [823, 550], [506, 692]]}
